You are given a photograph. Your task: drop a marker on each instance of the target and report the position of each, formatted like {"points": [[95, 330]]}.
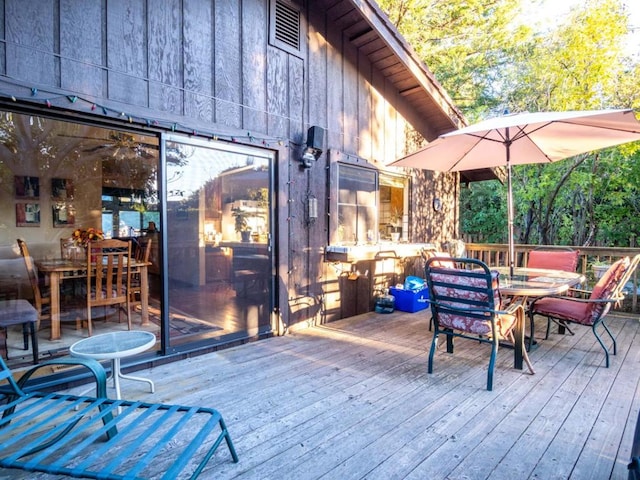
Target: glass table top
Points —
{"points": [[113, 344]]}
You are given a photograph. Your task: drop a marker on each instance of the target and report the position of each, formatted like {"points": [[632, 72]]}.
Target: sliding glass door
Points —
{"points": [[218, 241]]}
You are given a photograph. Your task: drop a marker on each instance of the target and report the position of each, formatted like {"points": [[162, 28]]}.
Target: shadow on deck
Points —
{"points": [[353, 400]]}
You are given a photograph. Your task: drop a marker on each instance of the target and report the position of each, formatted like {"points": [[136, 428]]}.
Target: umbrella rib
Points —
{"points": [[462, 157], [520, 134]]}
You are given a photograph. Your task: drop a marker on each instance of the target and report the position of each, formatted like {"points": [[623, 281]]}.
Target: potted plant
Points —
{"points": [[242, 226], [396, 224], [599, 268]]}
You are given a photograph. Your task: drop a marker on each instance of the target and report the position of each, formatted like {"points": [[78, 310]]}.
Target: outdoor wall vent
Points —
{"points": [[285, 26]]}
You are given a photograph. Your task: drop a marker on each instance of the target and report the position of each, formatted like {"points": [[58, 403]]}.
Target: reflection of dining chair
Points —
{"points": [[588, 308], [20, 312], [108, 278], [465, 302], [41, 298], [565, 259], [142, 253]]}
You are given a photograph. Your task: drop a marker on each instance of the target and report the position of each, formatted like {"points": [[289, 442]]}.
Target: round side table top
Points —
{"points": [[113, 345]]}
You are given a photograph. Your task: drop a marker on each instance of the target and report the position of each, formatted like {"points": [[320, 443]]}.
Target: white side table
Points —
{"points": [[114, 346]]}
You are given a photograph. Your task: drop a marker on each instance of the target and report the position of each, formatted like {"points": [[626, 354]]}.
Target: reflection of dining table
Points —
{"points": [[61, 269]]}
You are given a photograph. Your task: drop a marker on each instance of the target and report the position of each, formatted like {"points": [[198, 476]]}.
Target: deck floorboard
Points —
{"points": [[353, 400]]}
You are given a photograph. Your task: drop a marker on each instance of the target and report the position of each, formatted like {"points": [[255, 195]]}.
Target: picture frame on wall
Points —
{"points": [[26, 187], [63, 215], [62, 189], [27, 214]]}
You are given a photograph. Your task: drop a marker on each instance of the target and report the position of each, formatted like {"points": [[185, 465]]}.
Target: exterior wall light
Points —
{"points": [[313, 147]]}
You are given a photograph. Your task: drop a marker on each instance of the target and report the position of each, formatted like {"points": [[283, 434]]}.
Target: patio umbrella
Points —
{"points": [[524, 138]]}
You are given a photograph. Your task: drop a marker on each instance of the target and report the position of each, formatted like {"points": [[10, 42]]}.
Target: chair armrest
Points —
{"points": [[579, 291], [94, 367], [476, 310], [512, 308], [583, 300]]}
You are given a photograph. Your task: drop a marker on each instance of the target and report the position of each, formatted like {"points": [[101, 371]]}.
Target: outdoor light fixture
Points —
{"points": [[313, 147]]}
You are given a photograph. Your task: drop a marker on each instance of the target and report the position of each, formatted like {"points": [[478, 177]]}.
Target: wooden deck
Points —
{"points": [[353, 400]]}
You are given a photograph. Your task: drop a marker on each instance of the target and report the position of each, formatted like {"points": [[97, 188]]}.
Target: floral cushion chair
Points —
{"points": [[465, 302], [588, 308]]}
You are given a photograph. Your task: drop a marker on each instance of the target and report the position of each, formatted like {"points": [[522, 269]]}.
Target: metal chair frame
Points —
{"points": [[609, 298], [469, 292]]}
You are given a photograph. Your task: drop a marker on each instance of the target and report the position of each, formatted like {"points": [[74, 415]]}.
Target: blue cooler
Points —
{"points": [[410, 300]]}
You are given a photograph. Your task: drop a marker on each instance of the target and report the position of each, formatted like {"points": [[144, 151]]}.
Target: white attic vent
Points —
{"points": [[285, 26]]}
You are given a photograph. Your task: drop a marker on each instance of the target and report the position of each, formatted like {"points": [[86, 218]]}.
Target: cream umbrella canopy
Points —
{"points": [[524, 138]]}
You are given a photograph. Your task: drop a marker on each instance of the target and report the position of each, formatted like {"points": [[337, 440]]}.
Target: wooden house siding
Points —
{"points": [[208, 66]]}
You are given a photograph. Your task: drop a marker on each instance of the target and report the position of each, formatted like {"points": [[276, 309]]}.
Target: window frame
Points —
{"points": [[333, 208]]}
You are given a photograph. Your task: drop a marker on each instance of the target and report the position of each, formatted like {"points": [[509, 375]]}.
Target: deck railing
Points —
{"points": [[496, 254]]}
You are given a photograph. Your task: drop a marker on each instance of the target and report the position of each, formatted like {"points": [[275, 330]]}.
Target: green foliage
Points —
{"points": [[489, 63], [452, 38], [483, 210]]}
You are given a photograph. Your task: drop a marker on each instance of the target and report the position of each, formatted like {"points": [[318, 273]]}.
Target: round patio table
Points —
{"points": [[114, 346]]}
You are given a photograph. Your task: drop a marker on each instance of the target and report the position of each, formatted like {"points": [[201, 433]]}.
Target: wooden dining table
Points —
{"points": [[59, 270]]}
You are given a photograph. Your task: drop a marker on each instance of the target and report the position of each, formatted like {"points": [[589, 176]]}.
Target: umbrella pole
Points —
{"points": [[510, 209]]}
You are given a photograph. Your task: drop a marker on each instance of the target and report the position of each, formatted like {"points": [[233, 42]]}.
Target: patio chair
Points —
{"points": [[465, 302], [588, 307], [565, 259], [83, 437]]}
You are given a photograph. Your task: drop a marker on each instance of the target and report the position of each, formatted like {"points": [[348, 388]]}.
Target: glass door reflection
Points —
{"points": [[218, 251]]}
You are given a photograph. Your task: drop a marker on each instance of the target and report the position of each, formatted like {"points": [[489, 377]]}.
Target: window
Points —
{"points": [[394, 198], [371, 206]]}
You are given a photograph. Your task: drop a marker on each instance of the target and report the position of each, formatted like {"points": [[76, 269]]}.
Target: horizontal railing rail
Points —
{"points": [[497, 254]]}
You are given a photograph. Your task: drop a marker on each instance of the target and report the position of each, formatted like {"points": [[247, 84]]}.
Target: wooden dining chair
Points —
{"points": [[142, 254], [108, 278], [465, 302], [588, 308]]}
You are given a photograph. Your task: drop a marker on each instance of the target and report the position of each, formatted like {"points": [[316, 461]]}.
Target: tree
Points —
{"points": [[465, 43], [488, 64], [579, 65]]}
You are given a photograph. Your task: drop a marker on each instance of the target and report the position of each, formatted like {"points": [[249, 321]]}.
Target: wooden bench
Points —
{"points": [[84, 437]]}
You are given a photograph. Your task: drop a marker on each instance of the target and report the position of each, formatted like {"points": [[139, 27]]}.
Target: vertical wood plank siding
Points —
{"points": [[166, 50], [126, 52], [208, 65], [228, 63], [254, 64], [81, 52], [198, 31]]}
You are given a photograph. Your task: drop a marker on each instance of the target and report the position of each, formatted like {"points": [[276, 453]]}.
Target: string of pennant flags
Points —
{"points": [[50, 99]]}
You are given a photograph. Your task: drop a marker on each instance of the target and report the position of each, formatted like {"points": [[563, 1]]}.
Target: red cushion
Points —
{"points": [[554, 260], [607, 284], [583, 312], [565, 309]]}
